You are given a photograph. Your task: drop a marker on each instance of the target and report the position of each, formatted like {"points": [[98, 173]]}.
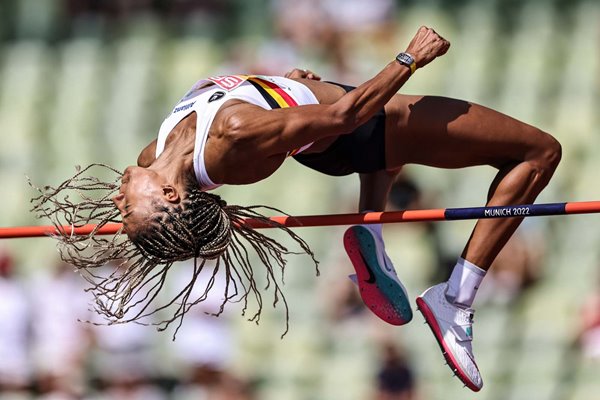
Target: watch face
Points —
{"points": [[405, 58]]}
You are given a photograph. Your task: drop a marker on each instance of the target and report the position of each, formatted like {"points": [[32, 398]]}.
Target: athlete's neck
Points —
{"points": [[176, 162]]}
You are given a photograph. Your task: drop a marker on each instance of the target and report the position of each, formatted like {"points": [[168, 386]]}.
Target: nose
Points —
{"points": [[119, 197], [118, 200]]}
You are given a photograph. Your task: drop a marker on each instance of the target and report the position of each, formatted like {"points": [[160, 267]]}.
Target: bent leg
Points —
{"points": [[449, 133], [379, 286], [374, 190]]}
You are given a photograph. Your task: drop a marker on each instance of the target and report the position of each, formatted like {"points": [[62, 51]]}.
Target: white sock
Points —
{"points": [[464, 282]]}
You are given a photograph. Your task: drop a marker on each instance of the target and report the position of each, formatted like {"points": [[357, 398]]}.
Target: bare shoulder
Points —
{"points": [[237, 130], [235, 151], [147, 155]]}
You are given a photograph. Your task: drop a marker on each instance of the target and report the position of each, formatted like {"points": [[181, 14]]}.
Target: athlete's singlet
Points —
{"points": [[208, 95]]}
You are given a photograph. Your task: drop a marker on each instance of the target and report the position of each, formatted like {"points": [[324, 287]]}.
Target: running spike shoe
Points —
{"points": [[378, 283], [452, 327]]}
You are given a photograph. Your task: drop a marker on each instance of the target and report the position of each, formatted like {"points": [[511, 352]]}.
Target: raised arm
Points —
{"points": [[359, 105], [278, 131]]}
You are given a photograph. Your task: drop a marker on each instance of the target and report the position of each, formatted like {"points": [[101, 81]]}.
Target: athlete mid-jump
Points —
{"points": [[238, 130]]}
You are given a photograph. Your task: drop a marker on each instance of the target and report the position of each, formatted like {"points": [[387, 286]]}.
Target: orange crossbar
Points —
{"points": [[440, 214], [582, 207], [47, 230], [292, 222]]}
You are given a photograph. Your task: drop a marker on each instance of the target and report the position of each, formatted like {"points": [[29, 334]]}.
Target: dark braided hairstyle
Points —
{"points": [[201, 227]]}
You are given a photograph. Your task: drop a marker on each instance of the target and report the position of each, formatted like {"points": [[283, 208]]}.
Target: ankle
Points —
{"points": [[464, 283]]}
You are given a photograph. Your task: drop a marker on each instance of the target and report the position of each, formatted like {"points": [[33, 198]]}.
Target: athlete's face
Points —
{"points": [[141, 189]]}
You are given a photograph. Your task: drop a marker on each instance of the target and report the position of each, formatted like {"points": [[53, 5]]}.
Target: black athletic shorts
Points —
{"points": [[361, 151]]}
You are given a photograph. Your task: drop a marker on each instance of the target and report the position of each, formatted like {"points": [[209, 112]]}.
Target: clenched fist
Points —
{"points": [[426, 46]]}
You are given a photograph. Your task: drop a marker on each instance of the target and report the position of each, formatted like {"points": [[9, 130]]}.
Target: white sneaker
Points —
{"points": [[379, 286], [452, 328]]}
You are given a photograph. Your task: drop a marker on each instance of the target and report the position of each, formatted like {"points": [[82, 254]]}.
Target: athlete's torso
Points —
{"points": [[207, 96]]}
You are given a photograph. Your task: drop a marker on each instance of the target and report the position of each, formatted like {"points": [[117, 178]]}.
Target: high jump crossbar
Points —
{"points": [[440, 214]]}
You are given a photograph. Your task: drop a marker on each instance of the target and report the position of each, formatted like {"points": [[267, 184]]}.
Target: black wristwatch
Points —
{"points": [[408, 60]]}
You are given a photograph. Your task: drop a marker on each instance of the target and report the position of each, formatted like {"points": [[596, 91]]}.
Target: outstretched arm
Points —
{"points": [[271, 132]]}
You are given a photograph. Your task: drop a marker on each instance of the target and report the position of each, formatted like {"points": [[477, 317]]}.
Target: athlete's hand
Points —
{"points": [[426, 46], [302, 73]]}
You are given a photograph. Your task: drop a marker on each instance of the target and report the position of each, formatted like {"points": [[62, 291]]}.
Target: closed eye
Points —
{"points": [[127, 210]]}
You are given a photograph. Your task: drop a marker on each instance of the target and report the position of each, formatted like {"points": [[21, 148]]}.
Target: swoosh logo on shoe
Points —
{"points": [[371, 279], [386, 265], [471, 358]]}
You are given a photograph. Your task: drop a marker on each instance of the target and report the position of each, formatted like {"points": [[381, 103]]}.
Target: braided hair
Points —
{"points": [[201, 227]]}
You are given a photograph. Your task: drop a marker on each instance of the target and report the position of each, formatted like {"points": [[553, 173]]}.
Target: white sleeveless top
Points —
{"points": [[206, 99]]}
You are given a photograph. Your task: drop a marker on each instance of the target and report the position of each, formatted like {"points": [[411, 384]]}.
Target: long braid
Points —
{"points": [[202, 227]]}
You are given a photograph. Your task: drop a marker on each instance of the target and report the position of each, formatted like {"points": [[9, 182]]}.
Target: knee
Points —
{"points": [[552, 152], [548, 154]]}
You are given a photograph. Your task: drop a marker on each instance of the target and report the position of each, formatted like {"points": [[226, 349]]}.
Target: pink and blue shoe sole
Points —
{"points": [[382, 294]]}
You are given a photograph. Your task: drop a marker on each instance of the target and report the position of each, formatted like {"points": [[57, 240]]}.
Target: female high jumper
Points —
{"points": [[239, 129]]}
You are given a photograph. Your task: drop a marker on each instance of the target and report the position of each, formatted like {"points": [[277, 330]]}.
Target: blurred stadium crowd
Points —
{"points": [[85, 81]]}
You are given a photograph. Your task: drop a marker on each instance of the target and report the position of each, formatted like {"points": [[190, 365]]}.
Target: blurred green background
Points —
{"points": [[90, 81]]}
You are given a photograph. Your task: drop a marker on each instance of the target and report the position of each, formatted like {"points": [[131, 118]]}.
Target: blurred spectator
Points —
{"points": [[344, 301], [127, 8], [348, 317], [60, 341], [589, 336], [124, 359], [360, 15], [395, 379], [204, 344], [517, 268], [14, 329], [302, 22], [405, 193], [329, 28]]}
